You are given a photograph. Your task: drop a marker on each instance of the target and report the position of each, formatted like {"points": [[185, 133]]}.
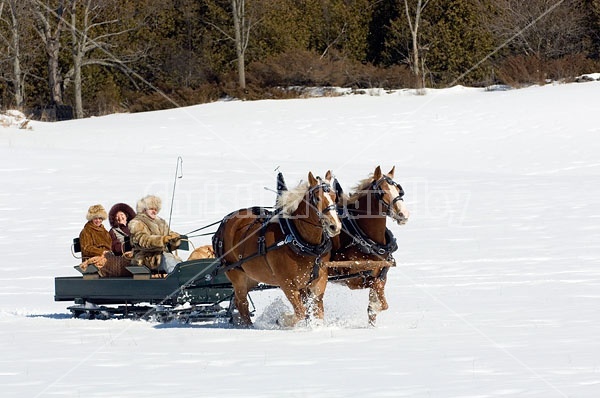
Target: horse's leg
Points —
{"points": [[377, 300], [313, 303], [317, 290], [380, 289], [239, 280], [374, 306], [296, 300]]}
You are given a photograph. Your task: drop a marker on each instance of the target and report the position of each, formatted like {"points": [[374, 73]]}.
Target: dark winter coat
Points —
{"points": [[147, 240], [118, 235], [119, 232], [94, 240]]}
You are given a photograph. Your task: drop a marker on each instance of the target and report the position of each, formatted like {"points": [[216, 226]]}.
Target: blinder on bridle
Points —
{"points": [[314, 198], [376, 188]]}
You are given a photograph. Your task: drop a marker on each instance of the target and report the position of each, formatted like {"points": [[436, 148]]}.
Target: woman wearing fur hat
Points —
{"points": [[119, 216], [152, 239], [94, 238]]}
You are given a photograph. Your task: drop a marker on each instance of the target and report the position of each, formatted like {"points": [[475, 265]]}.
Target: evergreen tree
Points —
{"points": [[458, 43], [378, 37]]}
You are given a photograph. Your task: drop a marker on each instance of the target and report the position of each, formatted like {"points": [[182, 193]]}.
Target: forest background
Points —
{"points": [[96, 57]]}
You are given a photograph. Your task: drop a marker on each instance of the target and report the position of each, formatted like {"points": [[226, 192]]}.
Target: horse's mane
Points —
{"points": [[290, 200], [360, 190]]}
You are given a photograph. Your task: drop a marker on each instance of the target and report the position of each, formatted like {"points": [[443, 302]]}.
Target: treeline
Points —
{"points": [[105, 56]]}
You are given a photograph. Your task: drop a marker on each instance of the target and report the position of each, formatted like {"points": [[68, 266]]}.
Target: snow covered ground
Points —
{"points": [[497, 289]]}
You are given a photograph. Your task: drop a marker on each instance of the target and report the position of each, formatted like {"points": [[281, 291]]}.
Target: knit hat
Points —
{"points": [[125, 208], [96, 211], [148, 202]]}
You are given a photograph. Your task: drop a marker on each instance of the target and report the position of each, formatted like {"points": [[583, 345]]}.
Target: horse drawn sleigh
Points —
{"points": [[315, 235]]}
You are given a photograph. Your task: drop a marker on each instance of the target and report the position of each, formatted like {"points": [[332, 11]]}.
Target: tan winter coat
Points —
{"points": [[147, 240], [94, 240]]}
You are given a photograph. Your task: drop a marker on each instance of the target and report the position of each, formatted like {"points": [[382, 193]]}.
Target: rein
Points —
{"points": [[204, 227]]}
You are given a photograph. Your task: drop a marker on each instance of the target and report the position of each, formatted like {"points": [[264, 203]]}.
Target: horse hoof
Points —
{"points": [[287, 320], [372, 318], [238, 322], [316, 323]]}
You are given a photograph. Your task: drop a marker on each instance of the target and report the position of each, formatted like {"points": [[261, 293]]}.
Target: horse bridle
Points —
{"points": [[313, 199], [379, 193]]}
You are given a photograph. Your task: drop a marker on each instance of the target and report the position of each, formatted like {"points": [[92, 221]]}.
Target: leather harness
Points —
{"points": [[292, 237]]}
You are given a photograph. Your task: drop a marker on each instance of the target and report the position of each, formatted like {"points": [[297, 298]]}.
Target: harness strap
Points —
{"points": [[298, 245], [291, 239], [365, 244]]}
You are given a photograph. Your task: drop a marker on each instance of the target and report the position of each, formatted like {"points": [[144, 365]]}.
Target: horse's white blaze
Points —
{"points": [[401, 208], [336, 219], [394, 193]]}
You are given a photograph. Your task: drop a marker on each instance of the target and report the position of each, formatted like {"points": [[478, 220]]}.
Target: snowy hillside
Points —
{"points": [[497, 288]]}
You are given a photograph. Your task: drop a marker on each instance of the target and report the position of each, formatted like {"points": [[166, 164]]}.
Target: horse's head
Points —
{"points": [[322, 199], [390, 195]]}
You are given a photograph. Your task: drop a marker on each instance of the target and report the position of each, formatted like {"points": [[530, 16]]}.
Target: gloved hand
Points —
{"points": [[173, 236]]}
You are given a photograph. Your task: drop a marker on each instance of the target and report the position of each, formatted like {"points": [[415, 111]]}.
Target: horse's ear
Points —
{"points": [[328, 175], [312, 181], [377, 173], [391, 173]]}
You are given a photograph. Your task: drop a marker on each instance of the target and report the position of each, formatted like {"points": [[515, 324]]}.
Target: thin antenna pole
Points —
{"points": [[178, 175]]}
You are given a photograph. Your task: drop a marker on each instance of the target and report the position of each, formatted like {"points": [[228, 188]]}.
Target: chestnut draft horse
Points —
{"points": [[282, 248], [364, 236]]}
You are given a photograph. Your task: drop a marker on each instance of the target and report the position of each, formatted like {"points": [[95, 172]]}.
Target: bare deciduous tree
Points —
{"points": [[89, 31], [50, 21], [12, 41], [413, 16], [243, 22], [242, 36], [542, 28]]}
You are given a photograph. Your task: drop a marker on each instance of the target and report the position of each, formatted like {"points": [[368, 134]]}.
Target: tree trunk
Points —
{"points": [[77, 87], [13, 42], [54, 77], [238, 9], [416, 66], [77, 58], [17, 72], [49, 25]]}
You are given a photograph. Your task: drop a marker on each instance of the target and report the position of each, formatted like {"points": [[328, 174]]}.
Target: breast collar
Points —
{"points": [[365, 244], [298, 244]]}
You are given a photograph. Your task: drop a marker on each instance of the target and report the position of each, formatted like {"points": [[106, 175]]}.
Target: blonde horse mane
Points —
{"points": [[360, 190], [290, 200]]}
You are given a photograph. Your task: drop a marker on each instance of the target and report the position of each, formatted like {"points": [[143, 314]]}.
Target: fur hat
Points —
{"points": [[96, 211], [125, 208], [148, 202]]}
